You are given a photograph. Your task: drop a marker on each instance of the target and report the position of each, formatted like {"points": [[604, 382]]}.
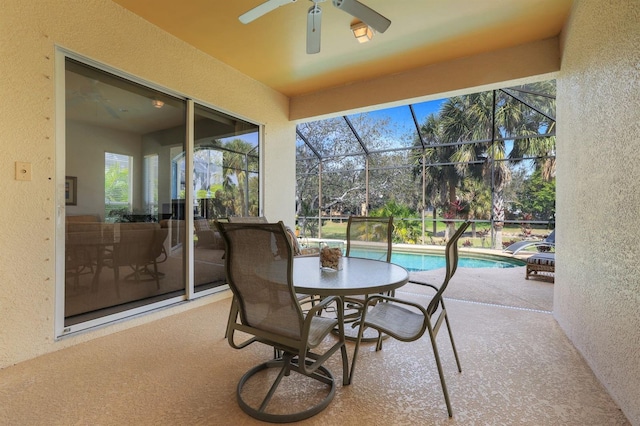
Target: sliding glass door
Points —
{"points": [[226, 182], [126, 239]]}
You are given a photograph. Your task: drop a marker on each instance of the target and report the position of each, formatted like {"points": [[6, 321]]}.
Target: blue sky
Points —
{"points": [[402, 121], [402, 113]]}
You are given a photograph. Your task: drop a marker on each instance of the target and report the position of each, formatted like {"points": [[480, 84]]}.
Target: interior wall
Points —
{"points": [[163, 143], [89, 144], [33, 211], [597, 290]]}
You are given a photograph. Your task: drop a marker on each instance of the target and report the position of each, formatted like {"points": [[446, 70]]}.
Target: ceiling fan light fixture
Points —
{"points": [[362, 32]]}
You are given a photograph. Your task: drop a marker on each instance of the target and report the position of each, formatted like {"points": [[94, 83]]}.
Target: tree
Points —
{"points": [[234, 173], [440, 181], [403, 231], [341, 162], [497, 116], [474, 138], [477, 197], [538, 197], [116, 185]]}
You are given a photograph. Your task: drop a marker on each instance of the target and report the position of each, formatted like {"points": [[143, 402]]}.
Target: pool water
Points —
{"points": [[427, 262]]}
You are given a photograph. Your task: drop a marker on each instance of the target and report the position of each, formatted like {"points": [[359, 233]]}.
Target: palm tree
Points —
{"points": [[403, 232], [494, 117], [440, 181], [477, 197]]}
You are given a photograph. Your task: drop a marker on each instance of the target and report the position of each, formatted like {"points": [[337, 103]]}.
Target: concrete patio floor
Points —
{"points": [[518, 368]]}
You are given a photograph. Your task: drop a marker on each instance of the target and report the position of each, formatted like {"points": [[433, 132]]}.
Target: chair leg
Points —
{"points": [[379, 342], [432, 336], [283, 372], [356, 350], [346, 377], [287, 364], [233, 314], [453, 345], [156, 275], [116, 278]]}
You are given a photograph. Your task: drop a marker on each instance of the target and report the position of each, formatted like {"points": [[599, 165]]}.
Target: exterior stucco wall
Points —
{"points": [[105, 32], [483, 71], [597, 291]]}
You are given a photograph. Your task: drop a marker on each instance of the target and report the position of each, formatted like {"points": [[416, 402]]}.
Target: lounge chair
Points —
{"points": [[549, 242]]}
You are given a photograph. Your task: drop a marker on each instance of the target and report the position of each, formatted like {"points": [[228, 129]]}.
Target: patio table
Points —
{"points": [[357, 277]]}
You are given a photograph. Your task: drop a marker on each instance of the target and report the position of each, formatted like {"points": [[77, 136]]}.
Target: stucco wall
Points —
{"points": [[483, 71], [597, 292], [107, 33]]}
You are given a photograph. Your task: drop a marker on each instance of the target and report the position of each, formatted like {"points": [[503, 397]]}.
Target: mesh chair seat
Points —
{"points": [[320, 326], [397, 321]]}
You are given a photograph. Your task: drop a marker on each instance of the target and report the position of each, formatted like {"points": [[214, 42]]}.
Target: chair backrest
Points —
{"points": [[370, 237], [135, 243], [260, 275], [294, 241], [247, 219], [160, 234], [451, 256]]}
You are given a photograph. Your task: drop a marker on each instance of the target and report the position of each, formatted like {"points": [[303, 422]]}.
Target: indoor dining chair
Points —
{"points": [[266, 308], [407, 321]]}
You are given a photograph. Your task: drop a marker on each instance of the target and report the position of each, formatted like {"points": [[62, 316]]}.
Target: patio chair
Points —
{"points": [[266, 307], [407, 321], [549, 243], [297, 251], [369, 238], [247, 219]]}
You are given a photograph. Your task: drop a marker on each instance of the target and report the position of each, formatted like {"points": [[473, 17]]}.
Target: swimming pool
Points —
{"points": [[429, 261]]}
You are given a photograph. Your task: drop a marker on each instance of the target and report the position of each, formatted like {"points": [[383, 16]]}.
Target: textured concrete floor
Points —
{"points": [[518, 369]]}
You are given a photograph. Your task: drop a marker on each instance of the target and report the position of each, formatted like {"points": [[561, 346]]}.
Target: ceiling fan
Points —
{"points": [[353, 7]]}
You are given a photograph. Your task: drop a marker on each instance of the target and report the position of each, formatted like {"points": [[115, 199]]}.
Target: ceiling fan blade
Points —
{"points": [[111, 111], [314, 19], [263, 9], [363, 13]]}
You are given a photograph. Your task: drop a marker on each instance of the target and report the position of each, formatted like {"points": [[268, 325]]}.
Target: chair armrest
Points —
{"points": [[424, 284], [377, 298], [318, 307]]}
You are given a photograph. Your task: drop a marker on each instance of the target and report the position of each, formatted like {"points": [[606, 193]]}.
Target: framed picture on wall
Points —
{"points": [[71, 190]]}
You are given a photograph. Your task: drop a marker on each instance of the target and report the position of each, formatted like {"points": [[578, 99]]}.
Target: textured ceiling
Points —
{"points": [[272, 49]]}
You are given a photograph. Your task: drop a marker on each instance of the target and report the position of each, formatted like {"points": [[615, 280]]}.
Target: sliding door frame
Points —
{"points": [[62, 331]]}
